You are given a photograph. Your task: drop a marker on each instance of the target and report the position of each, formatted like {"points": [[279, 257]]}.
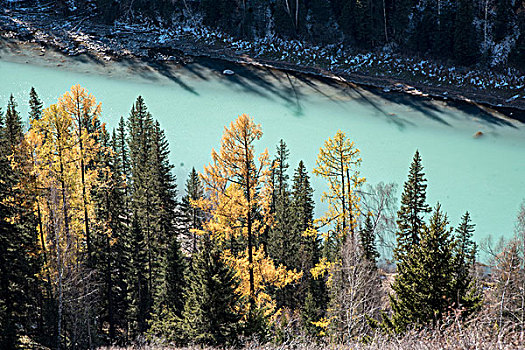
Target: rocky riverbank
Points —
{"points": [[77, 35]]}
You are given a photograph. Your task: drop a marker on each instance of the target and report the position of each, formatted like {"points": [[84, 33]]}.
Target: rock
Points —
{"points": [[478, 134]]}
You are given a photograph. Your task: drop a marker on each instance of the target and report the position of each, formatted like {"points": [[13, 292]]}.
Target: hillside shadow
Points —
{"points": [[288, 88]]}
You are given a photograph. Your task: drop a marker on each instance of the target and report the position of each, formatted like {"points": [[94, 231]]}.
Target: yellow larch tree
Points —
{"points": [[238, 201], [65, 172], [84, 112], [338, 163]]}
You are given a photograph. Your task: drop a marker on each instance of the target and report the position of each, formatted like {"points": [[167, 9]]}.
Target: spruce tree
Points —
{"points": [[210, 312], [19, 257], [13, 125], [193, 216], [175, 278], [8, 334], [368, 244], [424, 286], [311, 292], [282, 247], [35, 105], [138, 300], [111, 236], [467, 295], [413, 207]]}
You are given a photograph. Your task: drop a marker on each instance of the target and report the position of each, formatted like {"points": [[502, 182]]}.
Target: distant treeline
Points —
{"points": [[97, 247], [466, 32]]}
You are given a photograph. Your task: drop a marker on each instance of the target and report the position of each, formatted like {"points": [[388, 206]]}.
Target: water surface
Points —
{"points": [[193, 103]]}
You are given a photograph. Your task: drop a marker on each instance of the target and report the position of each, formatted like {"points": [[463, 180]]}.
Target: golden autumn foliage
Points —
{"points": [[64, 141], [266, 274], [238, 200], [338, 163], [237, 188]]}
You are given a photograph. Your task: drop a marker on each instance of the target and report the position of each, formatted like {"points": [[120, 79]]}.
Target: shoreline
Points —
{"points": [[105, 43]]}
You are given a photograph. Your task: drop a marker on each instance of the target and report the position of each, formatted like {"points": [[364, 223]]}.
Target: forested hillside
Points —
{"points": [[99, 247], [488, 32]]}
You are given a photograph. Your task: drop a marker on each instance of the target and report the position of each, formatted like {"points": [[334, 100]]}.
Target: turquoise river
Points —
{"points": [[485, 175]]}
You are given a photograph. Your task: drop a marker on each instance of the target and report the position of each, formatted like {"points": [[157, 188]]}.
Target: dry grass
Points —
{"points": [[476, 335]]}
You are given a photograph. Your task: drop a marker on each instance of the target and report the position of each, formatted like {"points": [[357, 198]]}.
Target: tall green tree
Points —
{"points": [[282, 247], [311, 292], [19, 254], [138, 300], [410, 220], [367, 239], [424, 285], [35, 105], [193, 216], [467, 295], [211, 315]]}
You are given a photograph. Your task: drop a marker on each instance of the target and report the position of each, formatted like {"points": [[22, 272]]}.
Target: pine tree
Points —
{"points": [[20, 262], [503, 20], [8, 333], [110, 236], [282, 245], [137, 280], [238, 202], [193, 216], [467, 295], [211, 315], [368, 244], [424, 286], [35, 105], [121, 149], [175, 278], [400, 18], [152, 200], [311, 291], [413, 207], [13, 125]]}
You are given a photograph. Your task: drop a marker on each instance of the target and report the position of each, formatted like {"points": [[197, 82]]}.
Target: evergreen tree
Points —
{"points": [[282, 247], [311, 291], [368, 242], [467, 295], [35, 105], [424, 286], [8, 331], [413, 207], [465, 48], [138, 294], [13, 126], [193, 216], [175, 278], [19, 258], [111, 237], [210, 311], [400, 18], [503, 20], [120, 148]]}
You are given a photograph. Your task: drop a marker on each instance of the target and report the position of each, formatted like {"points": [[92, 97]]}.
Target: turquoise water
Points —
{"points": [[484, 175]]}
